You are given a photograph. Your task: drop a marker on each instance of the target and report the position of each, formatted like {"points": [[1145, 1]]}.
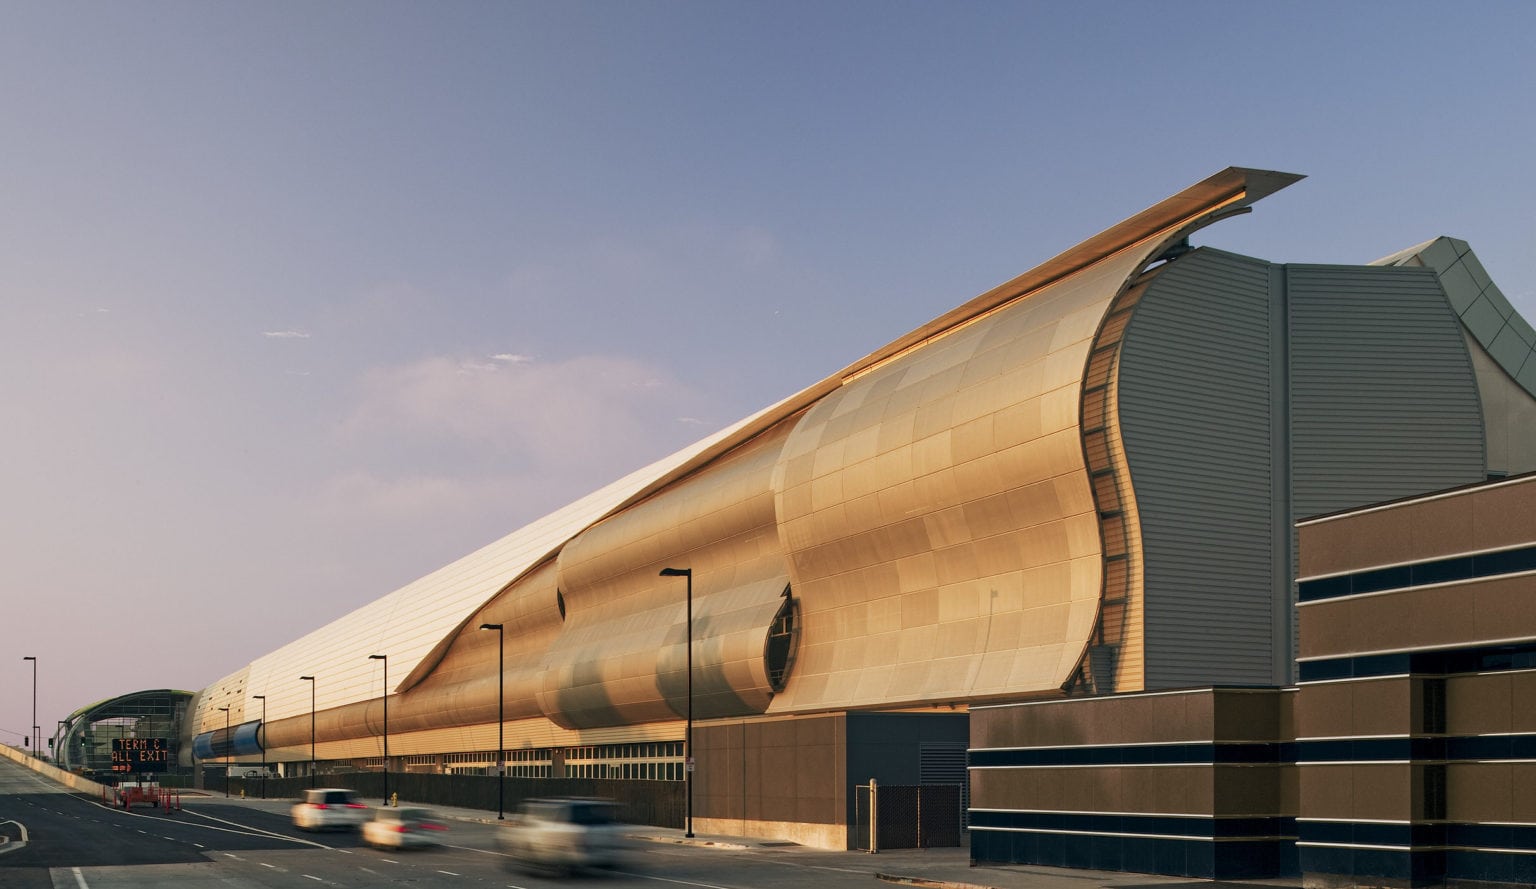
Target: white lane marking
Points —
{"points": [[200, 845], [79, 878], [389, 860], [315, 878], [247, 830], [264, 864], [234, 856], [666, 880], [450, 873], [481, 851]]}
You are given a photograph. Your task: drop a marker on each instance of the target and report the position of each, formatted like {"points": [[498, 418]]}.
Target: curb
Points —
{"points": [[684, 841], [931, 884]]}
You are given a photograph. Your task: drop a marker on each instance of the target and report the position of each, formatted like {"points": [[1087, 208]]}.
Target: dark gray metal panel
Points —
{"points": [[1384, 398], [1197, 415]]}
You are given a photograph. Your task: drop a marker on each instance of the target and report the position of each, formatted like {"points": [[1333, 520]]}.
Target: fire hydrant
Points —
{"points": [[394, 800], [242, 793]]}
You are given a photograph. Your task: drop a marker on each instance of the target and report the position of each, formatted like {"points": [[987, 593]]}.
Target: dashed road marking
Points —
{"points": [[666, 880]]}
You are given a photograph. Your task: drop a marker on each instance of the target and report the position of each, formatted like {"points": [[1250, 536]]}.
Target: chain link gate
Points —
{"points": [[906, 816]]}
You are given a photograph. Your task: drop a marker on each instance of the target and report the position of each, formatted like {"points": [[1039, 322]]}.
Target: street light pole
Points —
{"points": [[34, 703], [385, 659], [501, 719], [311, 681], [688, 731], [229, 748], [261, 741]]}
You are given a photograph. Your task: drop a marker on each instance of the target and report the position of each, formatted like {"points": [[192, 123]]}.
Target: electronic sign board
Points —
{"points": [[138, 755]]}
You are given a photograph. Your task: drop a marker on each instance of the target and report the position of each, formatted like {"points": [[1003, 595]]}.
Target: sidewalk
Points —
{"points": [[933, 868]]}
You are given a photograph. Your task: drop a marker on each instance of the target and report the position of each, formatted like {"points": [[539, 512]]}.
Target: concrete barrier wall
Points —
{"points": [[52, 772]]}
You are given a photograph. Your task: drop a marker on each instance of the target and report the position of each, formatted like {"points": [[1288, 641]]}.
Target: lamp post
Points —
{"points": [[229, 748], [688, 731], [34, 702], [261, 742], [311, 681], [385, 696], [501, 718]]}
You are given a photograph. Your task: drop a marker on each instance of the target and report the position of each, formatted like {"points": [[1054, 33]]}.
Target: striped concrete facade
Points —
{"points": [[1404, 756], [1415, 732]]}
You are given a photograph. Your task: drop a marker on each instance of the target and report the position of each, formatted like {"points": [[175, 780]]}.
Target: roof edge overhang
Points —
{"points": [[1229, 192]]}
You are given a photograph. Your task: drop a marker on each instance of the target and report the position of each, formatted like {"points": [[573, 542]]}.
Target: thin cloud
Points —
{"points": [[512, 358], [286, 334]]}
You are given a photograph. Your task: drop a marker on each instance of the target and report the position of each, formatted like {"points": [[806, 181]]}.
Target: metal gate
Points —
{"points": [[906, 816]]}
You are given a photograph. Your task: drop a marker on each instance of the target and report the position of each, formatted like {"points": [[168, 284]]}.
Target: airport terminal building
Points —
{"points": [[975, 551]]}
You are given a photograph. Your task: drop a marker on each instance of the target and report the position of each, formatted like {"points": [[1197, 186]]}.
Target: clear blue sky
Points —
{"points": [[301, 301]]}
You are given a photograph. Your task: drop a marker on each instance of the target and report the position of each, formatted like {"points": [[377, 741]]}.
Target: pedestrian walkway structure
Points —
{"points": [[1081, 483]]}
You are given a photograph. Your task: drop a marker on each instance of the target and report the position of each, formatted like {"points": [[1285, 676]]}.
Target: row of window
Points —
{"points": [[651, 761]]}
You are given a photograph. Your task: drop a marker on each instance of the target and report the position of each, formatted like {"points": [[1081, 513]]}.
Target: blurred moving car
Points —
{"points": [[407, 827], [565, 835], [328, 808]]}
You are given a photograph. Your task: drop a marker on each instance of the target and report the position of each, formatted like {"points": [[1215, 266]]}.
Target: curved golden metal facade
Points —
{"points": [[623, 655], [932, 510], [939, 515]]}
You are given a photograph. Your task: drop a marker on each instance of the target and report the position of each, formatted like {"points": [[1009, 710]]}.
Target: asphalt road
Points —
{"points": [[72, 842]]}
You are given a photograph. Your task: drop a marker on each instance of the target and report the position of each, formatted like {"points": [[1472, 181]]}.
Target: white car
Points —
{"points": [[404, 828], [329, 808], [565, 835]]}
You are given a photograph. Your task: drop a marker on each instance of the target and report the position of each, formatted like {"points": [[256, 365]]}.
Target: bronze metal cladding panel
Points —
{"points": [[1366, 708], [1491, 792], [938, 513], [1474, 613], [1183, 790], [1488, 517], [1358, 792], [623, 654], [1490, 703]]}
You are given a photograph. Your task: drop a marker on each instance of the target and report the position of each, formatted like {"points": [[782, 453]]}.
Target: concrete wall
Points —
{"points": [[52, 772]]}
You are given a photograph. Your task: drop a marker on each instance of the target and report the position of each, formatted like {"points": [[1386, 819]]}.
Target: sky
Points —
{"points": [[302, 301]]}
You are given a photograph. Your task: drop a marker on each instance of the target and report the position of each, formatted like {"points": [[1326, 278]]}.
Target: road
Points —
{"points": [[72, 842]]}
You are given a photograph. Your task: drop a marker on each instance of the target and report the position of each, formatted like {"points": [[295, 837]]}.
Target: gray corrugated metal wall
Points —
{"points": [[1383, 395], [1252, 395], [1197, 414]]}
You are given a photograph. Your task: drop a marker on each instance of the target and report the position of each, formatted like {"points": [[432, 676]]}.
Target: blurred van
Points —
{"points": [[565, 835]]}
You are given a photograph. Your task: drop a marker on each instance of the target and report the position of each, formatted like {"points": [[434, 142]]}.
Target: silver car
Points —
{"points": [[329, 808], [565, 835], [407, 827]]}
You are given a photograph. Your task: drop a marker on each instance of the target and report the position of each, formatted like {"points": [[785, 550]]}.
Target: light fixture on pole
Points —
{"points": [[34, 702], [311, 681], [385, 659], [501, 719], [229, 747], [261, 741], [688, 731]]}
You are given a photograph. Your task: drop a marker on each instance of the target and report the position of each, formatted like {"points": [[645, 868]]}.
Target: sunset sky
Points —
{"points": [[302, 301]]}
